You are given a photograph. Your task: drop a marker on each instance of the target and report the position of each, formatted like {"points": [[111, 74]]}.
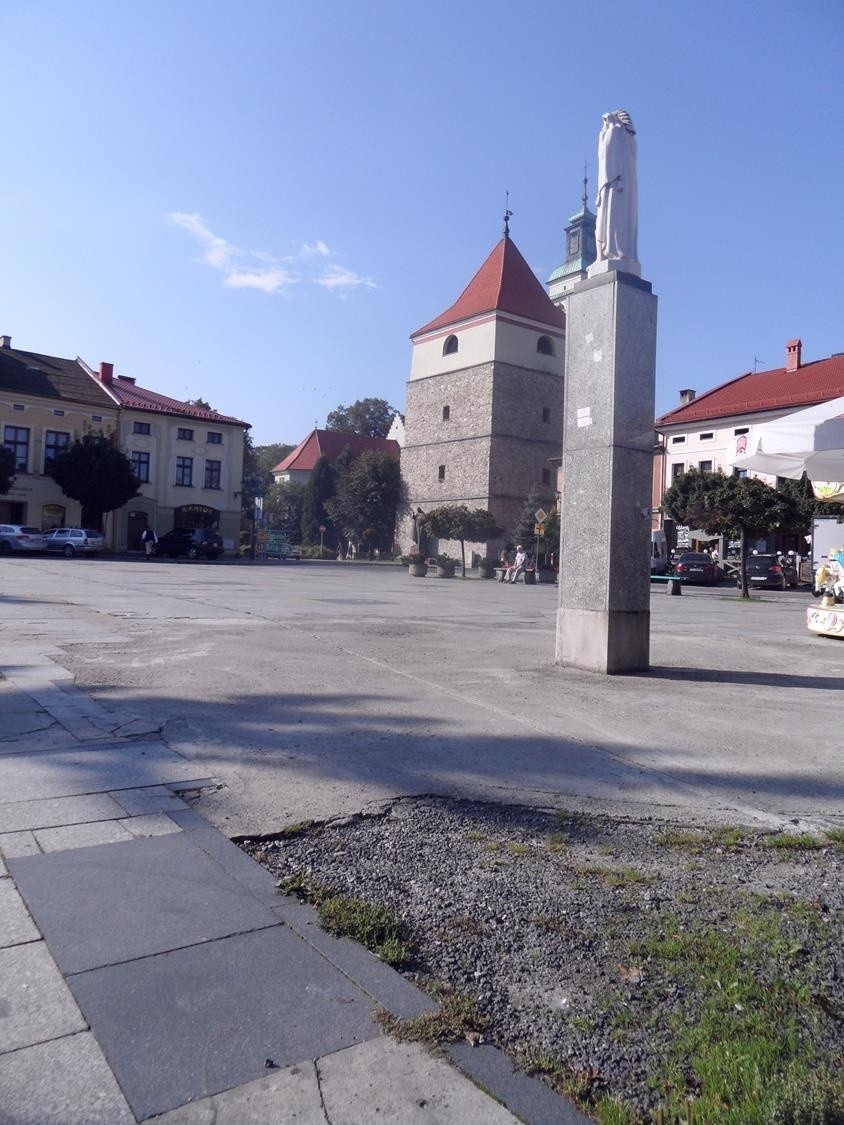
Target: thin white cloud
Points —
{"points": [[339, 279], [258, 269]]}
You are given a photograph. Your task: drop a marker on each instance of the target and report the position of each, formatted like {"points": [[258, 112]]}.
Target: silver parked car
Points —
{"points": [[17, 537], [72, 541]]}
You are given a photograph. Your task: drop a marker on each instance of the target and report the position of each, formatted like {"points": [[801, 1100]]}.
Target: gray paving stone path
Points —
{"points": [[148, 966]]}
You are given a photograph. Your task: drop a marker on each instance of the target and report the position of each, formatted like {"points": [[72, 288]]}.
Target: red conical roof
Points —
{"points": [[504, 283]]}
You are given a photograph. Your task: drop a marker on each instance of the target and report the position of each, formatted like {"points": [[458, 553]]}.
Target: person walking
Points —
{"points": [[149, 540]]}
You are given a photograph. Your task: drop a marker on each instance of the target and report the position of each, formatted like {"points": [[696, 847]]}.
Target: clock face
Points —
{"points": [[574, 243]]}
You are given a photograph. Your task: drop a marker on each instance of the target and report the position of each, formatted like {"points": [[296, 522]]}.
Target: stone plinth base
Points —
{"points": [[603, 641]]}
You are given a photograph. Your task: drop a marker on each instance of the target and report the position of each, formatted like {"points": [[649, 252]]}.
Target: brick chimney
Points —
{"points": [[793, 350], [106, 373], [687, 396], [5, 341]]}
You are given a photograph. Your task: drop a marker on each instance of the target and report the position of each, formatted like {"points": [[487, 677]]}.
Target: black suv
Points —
{"points": [[772, 572], [190, 542]]}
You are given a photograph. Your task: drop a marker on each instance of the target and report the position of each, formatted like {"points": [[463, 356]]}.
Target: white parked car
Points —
{"points": [[17, 537], [72, 541]]}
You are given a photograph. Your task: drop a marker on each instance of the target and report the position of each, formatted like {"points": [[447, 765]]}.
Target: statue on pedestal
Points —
{"points": [[618, 197]]}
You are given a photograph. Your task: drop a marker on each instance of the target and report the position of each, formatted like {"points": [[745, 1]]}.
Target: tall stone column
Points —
{"points": [[603, 620]]}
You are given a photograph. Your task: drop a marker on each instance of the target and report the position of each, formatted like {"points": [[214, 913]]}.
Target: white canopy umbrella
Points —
{"points": [[809, 441]]}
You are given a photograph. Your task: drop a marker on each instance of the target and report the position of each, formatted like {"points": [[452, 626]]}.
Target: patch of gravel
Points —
{"points": [[532, 914]]}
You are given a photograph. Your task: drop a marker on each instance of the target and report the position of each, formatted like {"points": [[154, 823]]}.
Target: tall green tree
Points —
{"points": [[94, 471], [7, 469], [268, 456], [473, 525], [368, 493], [283, 508], [524, 531], [319, 489], [720, 505], [370, 417]]}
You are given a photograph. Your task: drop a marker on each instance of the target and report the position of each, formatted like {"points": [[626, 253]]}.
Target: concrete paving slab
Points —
{"points": [[154, 824], [101, 905], [152, 799], [67, 773], [17, 723], [387, 1081], [58, 811], [291, 1096], [61, 1082], [16, 925], [37, 1004], [196, 1021], [81, 835], [238, 864], [18, 843]]}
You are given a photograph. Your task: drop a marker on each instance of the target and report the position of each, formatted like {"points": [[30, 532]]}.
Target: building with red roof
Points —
{"points": [[484, 398], [708, 431], [298, 465]]}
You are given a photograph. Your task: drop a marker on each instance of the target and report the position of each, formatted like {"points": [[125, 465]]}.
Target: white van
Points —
{"points": [[659, 552]]}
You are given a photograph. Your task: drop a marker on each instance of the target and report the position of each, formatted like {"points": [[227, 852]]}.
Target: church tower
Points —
{"points": [[484, 406], [581, 252]]}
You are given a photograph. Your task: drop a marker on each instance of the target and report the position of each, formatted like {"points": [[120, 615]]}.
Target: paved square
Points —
{"points": [[183, 1025]]}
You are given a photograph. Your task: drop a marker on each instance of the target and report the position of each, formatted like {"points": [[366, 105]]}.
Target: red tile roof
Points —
{"points": [[139, 398], [779, 389], [331, 443], [504, 283]]}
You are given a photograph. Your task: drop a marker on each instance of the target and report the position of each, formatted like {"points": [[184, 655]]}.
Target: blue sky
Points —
{"points": [[258, 202]]}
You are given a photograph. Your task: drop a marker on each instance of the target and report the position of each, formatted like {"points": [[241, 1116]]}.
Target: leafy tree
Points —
{"points": [[524, 532], [283, 508], [268, 456], [202, 403], [368, 493], [805, 505], [97, 474], [343, 463], [7, 469], [370, 417], [722, 505], [319, 489], [476, 525]]}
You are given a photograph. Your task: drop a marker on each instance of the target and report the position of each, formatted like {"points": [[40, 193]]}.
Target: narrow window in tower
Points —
{"points": [[545, 345], [546, 413], [446, 413], [441, 472], [450, 345], [546, 476]]}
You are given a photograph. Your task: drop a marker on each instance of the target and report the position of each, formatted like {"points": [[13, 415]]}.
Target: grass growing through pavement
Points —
{"points": [[456, 1019]]}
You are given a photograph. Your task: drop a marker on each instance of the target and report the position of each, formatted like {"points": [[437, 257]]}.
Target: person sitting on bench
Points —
{"points": [[518, 566]]}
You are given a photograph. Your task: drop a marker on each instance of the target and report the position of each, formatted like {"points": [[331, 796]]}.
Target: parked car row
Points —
{"points": [[190, 542], [68, 541], [764, 571]]}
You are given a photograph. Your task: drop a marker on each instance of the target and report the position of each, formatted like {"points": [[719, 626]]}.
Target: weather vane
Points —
{"points": [[507, 215]]}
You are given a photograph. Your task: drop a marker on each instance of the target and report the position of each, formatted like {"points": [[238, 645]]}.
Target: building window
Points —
{"points": [[96, 417], [741, 473], [546, 476], [741, 430], [58, 413], [16, 438], [450, 345], [707, 437], [55, 443], [446, 413], [677, 470], [212, 474], [441, 472], [545, 345], [184, 471], [704, 466], [681, 440], [215, 438], [18, 406], [140, 465], [141, 428], [574, 243], [184, 435], [546, 413]]}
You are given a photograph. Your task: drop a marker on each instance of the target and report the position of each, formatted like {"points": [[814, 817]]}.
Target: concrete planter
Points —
{"points": [[486, 569], [445, 571], [417, 570], [548, 576]]}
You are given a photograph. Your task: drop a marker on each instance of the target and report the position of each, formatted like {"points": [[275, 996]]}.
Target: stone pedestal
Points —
{"points": [[603, 621]]}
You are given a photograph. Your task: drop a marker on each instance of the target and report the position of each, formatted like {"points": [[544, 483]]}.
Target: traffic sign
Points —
{"points": [[540, 515]]}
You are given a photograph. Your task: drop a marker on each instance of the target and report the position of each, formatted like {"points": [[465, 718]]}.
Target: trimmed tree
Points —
{"points": [[477, 525], [97, 474], [368, 493], [734, 506], [7, 469]]}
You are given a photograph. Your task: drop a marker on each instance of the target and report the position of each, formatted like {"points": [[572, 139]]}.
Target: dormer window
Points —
{"points": [[450, 346], [545, 345]]}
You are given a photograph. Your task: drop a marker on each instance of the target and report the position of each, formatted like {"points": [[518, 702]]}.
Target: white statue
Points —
{"points": [[618, 197]]}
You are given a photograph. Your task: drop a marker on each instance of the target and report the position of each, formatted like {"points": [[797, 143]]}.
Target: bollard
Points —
{"points": [[675, 586]]}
